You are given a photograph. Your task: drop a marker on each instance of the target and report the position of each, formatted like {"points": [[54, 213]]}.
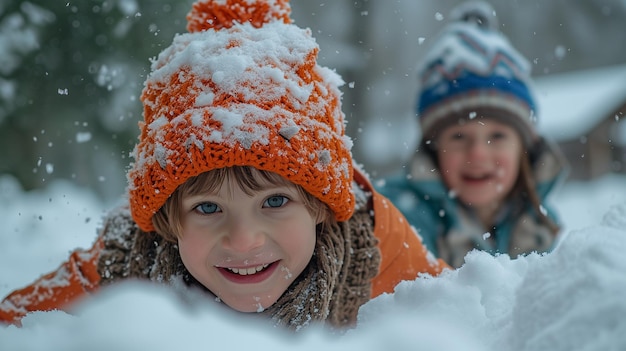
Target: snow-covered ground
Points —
{"points": [[571, 299]]}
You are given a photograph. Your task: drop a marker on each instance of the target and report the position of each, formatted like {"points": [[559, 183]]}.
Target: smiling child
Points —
{"points": [[481, 174], [243, 184]]}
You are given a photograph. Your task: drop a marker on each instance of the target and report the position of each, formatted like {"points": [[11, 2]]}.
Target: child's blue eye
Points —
{"points": [[275, 201], [207, 208]]}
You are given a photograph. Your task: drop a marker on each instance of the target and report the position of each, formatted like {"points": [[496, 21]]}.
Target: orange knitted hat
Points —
{"points": [[242, 88]]}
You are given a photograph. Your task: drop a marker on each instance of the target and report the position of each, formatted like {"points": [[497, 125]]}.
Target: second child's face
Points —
{"points": [[247, 250], [479, 161]]}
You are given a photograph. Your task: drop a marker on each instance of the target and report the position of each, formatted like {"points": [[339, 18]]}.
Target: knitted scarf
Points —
{"points": [[330, 290]]}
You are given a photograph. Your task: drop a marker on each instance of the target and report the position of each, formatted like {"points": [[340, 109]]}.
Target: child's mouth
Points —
{"points": [[473, 178], [249, 275]]}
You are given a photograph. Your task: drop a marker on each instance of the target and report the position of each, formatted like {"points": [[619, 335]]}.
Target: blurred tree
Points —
{"points": [[70, 79]]}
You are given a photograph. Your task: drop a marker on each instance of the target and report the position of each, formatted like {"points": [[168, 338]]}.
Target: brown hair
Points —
{"points": [[526, 187], [167, 220]]}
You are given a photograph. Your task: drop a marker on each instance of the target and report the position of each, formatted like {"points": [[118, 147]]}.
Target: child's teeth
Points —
{"points": [[246, 271]]}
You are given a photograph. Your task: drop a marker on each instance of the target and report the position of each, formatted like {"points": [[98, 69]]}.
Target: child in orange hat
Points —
{"points": [[243, 184]]}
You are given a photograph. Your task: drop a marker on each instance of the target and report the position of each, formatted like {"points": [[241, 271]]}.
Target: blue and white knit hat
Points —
{"points": [[471, 70]]}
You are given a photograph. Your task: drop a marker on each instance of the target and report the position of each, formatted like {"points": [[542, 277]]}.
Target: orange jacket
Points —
{"points": [[403, 257]]}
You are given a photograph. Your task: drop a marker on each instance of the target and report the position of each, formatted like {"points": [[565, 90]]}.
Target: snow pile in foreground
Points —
{"points": [[569, 299]]}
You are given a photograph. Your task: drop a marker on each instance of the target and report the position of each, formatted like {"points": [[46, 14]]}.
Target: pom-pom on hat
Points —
{"points": [[242, 88], [471, 70]]}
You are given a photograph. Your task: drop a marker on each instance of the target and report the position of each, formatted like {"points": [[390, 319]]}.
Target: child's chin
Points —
{"points": [[252, 307], [478, 202]]}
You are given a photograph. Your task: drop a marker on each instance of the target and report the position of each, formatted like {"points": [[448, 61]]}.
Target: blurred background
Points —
{"points": [[71, 73]]}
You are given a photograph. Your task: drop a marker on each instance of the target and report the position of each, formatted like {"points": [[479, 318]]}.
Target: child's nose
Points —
{"points": [[244, 235], [477, 148]]}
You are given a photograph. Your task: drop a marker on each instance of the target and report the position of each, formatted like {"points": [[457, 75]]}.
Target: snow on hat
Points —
{"points": [[242, 88], [471, 69]]}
